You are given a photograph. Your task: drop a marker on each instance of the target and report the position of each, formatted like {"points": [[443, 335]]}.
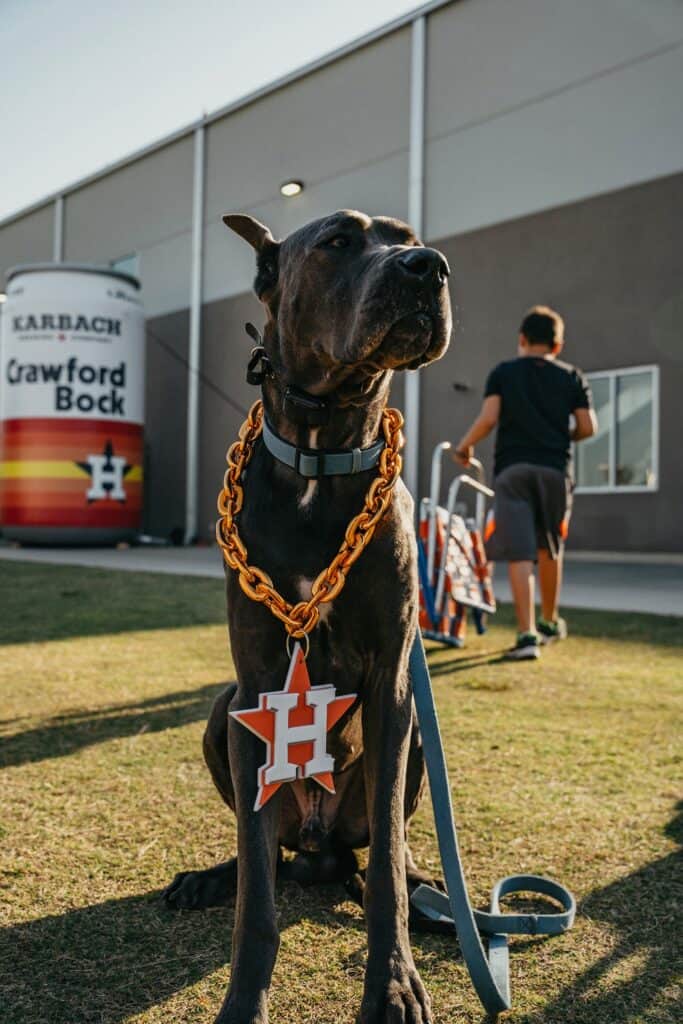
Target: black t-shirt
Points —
{"points": [[536, 398]]}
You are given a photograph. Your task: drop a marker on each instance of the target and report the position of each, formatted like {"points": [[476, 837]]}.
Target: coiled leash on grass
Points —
{"points": [[490, 974]]}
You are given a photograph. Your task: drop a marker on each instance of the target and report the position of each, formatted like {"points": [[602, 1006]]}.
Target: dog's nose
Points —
{"points": [[423, 263]]}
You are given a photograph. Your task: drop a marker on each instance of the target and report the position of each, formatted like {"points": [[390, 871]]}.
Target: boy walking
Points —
{"points": [[530, 399]]}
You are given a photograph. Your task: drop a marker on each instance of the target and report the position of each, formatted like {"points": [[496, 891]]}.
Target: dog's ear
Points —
{"points": [[248, 228], [267, 249]]}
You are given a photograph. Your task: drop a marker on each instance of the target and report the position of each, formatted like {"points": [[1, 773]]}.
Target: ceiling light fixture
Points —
{"points": [[291, 188]]}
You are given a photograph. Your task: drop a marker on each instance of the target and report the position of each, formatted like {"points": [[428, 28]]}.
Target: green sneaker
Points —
{"points": [[549, 632], [526, 648]]}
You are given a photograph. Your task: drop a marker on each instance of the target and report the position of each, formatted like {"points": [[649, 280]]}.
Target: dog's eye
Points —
{"points": [[338, 242]]}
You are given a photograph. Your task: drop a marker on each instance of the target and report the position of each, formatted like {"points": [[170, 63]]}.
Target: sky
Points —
{"points": [[86, 82]]}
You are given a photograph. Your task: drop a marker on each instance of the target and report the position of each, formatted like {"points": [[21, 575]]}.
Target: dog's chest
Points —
{"points": [[293, 527]]}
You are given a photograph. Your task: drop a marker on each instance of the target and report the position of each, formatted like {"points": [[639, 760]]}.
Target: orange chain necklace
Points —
{"points": [[299, 619]]}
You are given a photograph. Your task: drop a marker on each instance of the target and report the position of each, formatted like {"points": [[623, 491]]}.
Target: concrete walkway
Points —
{"points": [[175, 561], [615, 586], [633, 584]]}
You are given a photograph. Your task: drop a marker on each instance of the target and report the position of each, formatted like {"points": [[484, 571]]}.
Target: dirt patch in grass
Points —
{"points": [[569, 767]]}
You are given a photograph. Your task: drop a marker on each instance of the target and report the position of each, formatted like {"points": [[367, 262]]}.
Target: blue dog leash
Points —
{"points": [[490, 974]]}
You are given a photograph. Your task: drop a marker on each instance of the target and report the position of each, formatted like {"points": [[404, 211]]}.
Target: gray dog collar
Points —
{"points": [[311, 462]]}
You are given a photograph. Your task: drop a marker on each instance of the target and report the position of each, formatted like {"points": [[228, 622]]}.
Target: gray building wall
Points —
{"points": [[26, 239], [166, 422], [143, 208], [533, 103], [553, 159], [223, 406]]}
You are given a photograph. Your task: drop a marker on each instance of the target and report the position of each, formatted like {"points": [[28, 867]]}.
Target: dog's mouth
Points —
{"points": [[414, 340], [419, 323]]}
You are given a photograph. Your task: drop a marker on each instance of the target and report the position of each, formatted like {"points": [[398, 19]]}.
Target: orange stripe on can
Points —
{"points": [[71, 473]]}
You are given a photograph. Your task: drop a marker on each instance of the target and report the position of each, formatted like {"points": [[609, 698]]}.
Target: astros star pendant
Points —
{"points": [[293, 723]]}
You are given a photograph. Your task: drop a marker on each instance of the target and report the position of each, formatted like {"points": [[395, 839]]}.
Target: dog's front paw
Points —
{"points": [[239, 1011], [197, 890], [396, 996], [228, 1016]]}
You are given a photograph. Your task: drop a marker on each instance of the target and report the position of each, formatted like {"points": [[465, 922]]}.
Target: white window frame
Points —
{"points": [[612, 487]]}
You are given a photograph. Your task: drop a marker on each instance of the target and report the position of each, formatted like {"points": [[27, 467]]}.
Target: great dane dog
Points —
{"points": [[348, 300]]}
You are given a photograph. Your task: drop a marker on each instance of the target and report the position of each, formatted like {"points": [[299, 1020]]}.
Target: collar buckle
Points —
{"points": [[313, 463], [259, 366]]}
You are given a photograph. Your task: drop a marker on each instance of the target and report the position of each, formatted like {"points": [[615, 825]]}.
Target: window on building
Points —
{"points": [[127, 264], [623, 455]]}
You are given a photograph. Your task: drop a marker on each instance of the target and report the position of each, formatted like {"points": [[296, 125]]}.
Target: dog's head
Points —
{"points": [[348, 294]]}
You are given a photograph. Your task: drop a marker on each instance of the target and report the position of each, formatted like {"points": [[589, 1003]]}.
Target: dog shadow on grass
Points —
{"points": [[105, 963], [65, 734]]}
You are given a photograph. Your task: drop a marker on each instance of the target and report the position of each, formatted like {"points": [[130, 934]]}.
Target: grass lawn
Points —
{"points": [[569, 767]]}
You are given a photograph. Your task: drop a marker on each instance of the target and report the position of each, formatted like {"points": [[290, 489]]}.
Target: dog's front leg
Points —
{"points": [[393, 989], [255, 938]]}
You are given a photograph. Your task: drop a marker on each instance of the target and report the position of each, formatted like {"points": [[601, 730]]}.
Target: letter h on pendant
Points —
{"points": [[286, 735]]}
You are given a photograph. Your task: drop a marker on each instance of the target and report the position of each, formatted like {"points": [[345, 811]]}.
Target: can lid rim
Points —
{"points": [[86, 268]]}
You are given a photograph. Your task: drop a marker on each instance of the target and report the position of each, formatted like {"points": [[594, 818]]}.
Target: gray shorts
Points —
{"points": [[531, 510]]}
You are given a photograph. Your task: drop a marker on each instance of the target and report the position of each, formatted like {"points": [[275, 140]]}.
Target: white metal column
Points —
{"points": [[415, 217], [195, 341], [58, 231]]}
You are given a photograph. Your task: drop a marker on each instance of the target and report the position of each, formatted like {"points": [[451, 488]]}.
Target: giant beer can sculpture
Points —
{"points": [[71, 405]]}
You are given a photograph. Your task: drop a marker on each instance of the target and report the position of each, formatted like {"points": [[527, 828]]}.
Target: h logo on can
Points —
{"points": [[107, 472]]}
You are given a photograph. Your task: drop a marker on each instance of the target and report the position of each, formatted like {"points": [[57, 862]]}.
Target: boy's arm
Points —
{"points": [[481, 428], [585, 420], [586, 424]]}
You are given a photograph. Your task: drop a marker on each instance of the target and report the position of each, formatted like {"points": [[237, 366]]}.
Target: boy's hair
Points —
{"points": [[543, 326]]}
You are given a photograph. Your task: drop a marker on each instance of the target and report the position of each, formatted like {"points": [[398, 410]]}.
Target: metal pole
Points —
{"points": [[415, 216], [194, 353], [58, 231]]}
